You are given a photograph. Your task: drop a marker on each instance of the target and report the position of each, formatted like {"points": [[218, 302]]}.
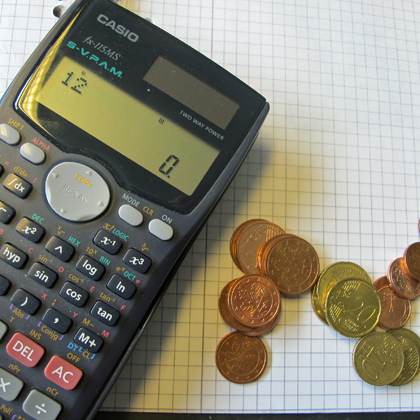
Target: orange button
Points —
{"points": [[24, 350], [63, 373]]}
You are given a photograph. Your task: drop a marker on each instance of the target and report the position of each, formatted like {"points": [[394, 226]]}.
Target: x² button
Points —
{"points": [[10, 386]]}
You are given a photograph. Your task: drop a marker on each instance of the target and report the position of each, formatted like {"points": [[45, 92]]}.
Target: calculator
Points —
{"points": [[117, 141]]}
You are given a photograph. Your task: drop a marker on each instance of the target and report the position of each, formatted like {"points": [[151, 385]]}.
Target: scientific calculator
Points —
{"points": [[116, 142]]}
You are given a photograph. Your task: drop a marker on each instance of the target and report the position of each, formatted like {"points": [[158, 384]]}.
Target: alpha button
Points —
{"points": [[76, 192]]}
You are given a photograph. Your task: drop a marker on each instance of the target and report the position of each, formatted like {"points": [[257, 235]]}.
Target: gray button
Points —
{"points": [[32, 153], [76, 192], [130, 215], [9, 135], [10, 386], [41, 407], [160, 229], [3, 329]]}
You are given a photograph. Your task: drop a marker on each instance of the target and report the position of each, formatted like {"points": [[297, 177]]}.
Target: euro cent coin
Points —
{"points": [[241, 359]]}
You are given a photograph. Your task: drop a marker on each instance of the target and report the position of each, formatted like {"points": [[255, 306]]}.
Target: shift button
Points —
{"points": [[161, 230]]}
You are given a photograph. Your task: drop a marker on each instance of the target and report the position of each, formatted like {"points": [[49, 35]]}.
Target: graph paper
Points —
{"points": [[336, 162]]}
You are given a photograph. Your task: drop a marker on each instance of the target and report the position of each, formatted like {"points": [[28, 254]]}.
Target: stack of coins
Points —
{"points": [[344, 298], [273, 263]]}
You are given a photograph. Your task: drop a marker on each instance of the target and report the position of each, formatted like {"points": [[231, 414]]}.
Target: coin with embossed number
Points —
{"points": [[336, 272], [241, 359], [396, 311], [411, 359], [353, 308], [401, 282], [412, 260], [254, 300], [247, 239], [291, 262], [378, 358]]}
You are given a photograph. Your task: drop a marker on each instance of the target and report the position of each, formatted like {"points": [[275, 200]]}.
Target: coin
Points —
{"points": [[246, 241], [336, 272], [316, 306], [241, 359], [264, 329], [225, 312], [254, 300], [396, 311], [412, 260], [401, 282], [411, 359], [411, 335], [353, 307], [291, 262], [378, 358]]}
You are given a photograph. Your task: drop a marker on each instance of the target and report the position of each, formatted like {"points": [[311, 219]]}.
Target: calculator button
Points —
{"points": [[13, 256], [25, 350], [3, 329], [74, 294], [17, 185], [32, 153], [9, 135], [137, 260], [60, 249], [43, 275], [25, 301], [161, 230], [57, 321], [4, 285], [6, 213], [121, 286], [10, 386], [108, 242], [63, 373], [41, 407], [130, 215], [30, 230], [76, 192], [90, 268], [88, 340], [105, 313]]}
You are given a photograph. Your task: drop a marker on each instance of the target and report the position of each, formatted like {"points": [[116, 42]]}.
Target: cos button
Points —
{"points": [[74, 294]]}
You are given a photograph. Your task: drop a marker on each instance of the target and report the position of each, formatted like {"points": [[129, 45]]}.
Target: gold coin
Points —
{"points": [[411, 335], [353, 308], [316, 306], [336, 272], [378, 358], [411, 359]]}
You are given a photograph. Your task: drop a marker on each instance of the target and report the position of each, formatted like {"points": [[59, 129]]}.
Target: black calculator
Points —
{"points": [[116, 142]]}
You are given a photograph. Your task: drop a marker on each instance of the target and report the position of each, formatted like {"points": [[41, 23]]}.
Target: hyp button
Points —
{"points": [[76, 192]]}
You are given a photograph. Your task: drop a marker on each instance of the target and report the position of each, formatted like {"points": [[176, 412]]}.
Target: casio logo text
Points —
{"points": [[119, 29]]}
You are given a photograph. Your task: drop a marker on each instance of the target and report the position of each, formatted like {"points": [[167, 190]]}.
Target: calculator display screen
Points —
{"points": [[127, 125]]}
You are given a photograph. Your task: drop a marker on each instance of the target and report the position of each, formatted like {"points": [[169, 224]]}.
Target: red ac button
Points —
{"points": [[63, 373]]}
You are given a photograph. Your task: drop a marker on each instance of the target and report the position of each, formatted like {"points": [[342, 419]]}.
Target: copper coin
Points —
{"points": [[291, 262], [412, 260], [254, 300], [241, 359], [247, 240], [264, 329], [401, 282], [395, 311], [381, 283], [225, 312]]}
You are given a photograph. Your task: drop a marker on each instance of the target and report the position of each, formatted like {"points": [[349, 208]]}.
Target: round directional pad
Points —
{"points": [[76, 192]]}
